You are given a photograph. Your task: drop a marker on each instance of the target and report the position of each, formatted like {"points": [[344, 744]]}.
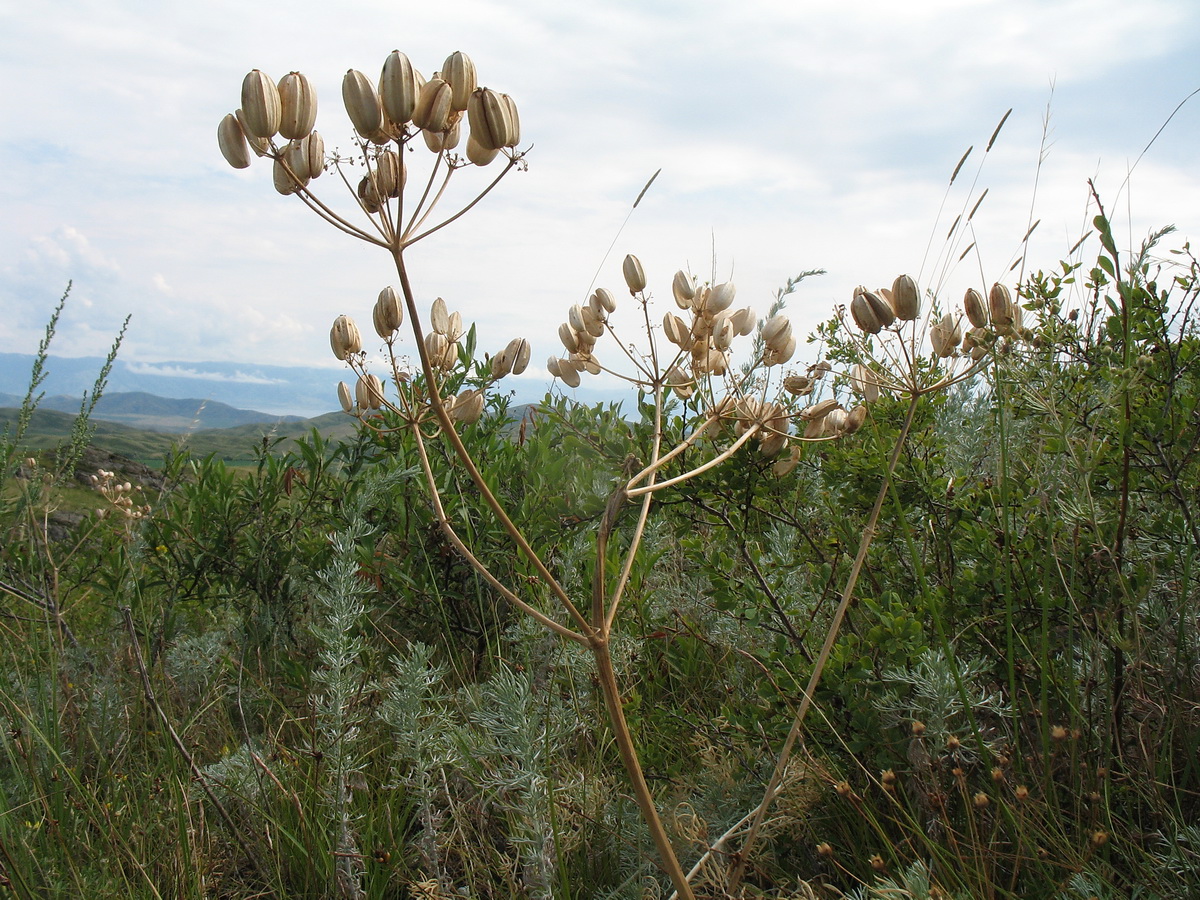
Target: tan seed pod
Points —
{"points": [[260, 146], [683, 288], [864, 383], [819, 410], [399, 84], [975, 308], [477, 153], [586, 362], [260, 105], [835, 422], [439, 317], [553, 367], [490, 119], [744, 321], [345, 398], [676, 330], [798, 385], [389, 173], [454, 326], [362, 103], [781, 354], [388, 314], [816, 428], [593, 322], [773, 444], [775, 330], [575, 317], [449, 356], [502, 363], [295, 154], [722, 333], [513, 119], [369, 194], [855, 419], [1000, 305], [606, 299], [569, 338], [440, 141], [720, 297], [944, 336], [699, 301], [586, 342], [906, 298], [298, 106], [435, 347], [432, 111], [314, 152], [635, 278], [785, 465], [458, 71], [469, 408], [680, 382], [344, 338], [232, 142], [568, 374], [519, 347], [285, 182], [368, 392], [718, 362]]}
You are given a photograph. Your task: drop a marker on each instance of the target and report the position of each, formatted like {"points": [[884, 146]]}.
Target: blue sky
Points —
{"points": [[791, 135]]}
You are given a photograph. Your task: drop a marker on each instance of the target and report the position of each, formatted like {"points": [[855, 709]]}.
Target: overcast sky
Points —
{"points": [[791, 135]]}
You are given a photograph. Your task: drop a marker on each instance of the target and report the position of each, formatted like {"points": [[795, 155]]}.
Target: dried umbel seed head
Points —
{"points": [[864, 383], [458, 71], [344, 337], [1000, 305], [232, 142], [362, 103], [298, 106], [261, 109], [683, 288], [368, 392], [388, 314], [490, 116], [906, 298], [433, 111], [975, 308], [345, 398], [399, 84], [635, 278]]}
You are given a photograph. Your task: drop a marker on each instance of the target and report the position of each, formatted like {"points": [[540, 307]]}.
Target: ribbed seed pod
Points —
{"points": [[906, 298], [835, 422], [553, 367], [295, 154], [314, 152], [720, 298], [477, 153], [345, 398], [819, 410], [776, 330], [298, 106], [975, 308], [744, 320], [680, 382], [432, 111], [815, 428], [1000, 305], [489, 118], [575, 317], [773, 444], [435, 348], [593, 323], [362, 103], [260, 105], [344, 338], [232, 142], [785, 465], [283, 180], [439, 317], [388, 314], [569, 338], [683, 288], [399, 84], [586, 362], [864, 383], [369, 392], [369, 194], [514, 121], [568, 374], [799, 385], [676, 331], [606, 299], [439, 141], [502, 363], [520, 350], [458, 71], [389, 173], [855, 419], [454, 326], [722, 333], [635, 278], [944, 336], [780, 354], [469, 408], [260, 146]]}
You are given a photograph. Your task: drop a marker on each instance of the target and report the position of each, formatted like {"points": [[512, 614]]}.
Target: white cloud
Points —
{"points": [[174, 371]]}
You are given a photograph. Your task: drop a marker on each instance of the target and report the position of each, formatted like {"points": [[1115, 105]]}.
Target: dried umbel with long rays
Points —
{"points": [[909, 354], [393, 116], [691, 357]]}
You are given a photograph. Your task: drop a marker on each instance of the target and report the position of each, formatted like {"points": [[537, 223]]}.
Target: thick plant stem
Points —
{"points": [[868, 535], [641, 791]]}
